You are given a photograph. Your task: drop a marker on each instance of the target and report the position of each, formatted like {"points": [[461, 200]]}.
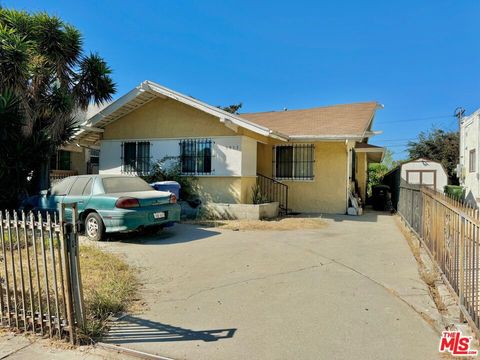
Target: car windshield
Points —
{"points": [[124, 184]]}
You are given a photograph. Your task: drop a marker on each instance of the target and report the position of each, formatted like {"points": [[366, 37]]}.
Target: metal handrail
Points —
{"points": [[274, 190]]}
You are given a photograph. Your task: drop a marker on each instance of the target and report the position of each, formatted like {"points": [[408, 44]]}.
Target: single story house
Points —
{"points": [[421, 171], [310, 158]]}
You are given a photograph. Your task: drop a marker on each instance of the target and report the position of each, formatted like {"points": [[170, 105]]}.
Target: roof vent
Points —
{"points": [[285, 109]]}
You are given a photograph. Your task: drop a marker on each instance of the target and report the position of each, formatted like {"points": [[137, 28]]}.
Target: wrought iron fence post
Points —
{"points": [[76, 278], [66, 269]]}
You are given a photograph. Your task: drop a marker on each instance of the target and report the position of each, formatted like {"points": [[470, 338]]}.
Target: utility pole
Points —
{"points": [[459, 112]]}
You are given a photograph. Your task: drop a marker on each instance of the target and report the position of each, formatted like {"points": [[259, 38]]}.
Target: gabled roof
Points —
{"points": [[344, 121], [338, 122], [148, 91], [420, 159]]}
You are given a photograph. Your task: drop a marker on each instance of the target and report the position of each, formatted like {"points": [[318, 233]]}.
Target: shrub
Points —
{"points": [[455, 191], [257, 196], [169, 168]]}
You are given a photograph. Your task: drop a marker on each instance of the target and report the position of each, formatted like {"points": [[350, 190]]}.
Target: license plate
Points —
{"points": [[159, 215]]}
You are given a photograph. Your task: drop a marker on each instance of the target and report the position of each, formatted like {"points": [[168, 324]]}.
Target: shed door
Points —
{"points": [[422, 177]]}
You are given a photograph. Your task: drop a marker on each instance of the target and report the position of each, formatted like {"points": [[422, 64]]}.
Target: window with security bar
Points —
{"points": [[136, 157], [196, 156], [294, 162]]}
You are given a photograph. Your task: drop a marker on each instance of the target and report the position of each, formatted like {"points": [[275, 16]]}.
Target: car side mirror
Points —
{"points": [[46, 192]]}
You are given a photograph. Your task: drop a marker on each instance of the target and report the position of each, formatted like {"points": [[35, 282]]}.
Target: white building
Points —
{"points": [[468, 170], [425, 172]]}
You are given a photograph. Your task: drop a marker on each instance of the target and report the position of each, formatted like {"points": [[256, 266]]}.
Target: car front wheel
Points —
{"points": [[94, 228]]}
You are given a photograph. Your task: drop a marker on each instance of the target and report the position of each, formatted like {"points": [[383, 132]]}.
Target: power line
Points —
{"points": [[412, 139], [419, 119]]}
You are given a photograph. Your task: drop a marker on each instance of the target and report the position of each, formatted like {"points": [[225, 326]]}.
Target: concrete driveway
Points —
{"points": [[348, 291]]}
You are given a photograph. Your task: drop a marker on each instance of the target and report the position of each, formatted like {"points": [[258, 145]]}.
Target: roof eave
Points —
{"points": [[149, 86]]}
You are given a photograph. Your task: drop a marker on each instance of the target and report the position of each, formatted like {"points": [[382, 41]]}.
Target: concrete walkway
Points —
{"points": [[14, 347], [348, 291]]}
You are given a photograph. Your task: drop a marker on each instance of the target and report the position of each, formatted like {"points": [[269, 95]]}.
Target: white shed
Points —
{"points": [[424, 172]]}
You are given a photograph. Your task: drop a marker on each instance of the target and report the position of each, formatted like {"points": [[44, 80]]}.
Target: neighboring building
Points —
{"points": [[420, 171], [320, 154], [468, 169], [74, 159]]}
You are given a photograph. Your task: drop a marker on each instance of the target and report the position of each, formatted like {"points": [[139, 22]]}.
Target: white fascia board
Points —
{"points": [[326, 137], [92, 129], [114, 106], [370, 150], [212, 110]]}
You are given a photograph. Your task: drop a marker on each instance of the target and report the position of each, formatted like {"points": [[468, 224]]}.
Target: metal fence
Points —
{"points": [[449, 231], [40, 282]]}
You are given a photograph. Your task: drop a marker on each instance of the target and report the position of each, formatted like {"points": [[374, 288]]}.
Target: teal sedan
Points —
{"points": [[109, 203]]}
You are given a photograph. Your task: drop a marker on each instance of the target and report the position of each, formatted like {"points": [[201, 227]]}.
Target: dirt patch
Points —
{"points": [[281, 224]]}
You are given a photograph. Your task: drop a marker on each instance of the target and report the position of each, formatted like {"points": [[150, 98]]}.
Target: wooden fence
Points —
{"points": [[449, 231], [40, 282]]}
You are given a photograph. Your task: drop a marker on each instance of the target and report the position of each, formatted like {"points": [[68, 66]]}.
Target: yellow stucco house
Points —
{"points": [[309, 160]]}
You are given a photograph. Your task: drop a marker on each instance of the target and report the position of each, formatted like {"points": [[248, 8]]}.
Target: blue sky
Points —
{"points": [[421, 59]]}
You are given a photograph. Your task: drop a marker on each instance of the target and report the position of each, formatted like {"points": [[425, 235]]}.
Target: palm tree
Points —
{"points": [[43, 67]]}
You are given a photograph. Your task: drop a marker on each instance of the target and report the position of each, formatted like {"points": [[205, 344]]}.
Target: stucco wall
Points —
{"points": [[230, 190], [327, 192], [165, 119], [469, 140], [164, 123], [231, 155]]}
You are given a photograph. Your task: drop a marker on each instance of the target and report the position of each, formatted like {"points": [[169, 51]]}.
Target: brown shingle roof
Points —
{"points": [[336, 120]]}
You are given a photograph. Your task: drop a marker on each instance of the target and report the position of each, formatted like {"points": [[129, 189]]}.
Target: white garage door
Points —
{"points": [[422, 177]]}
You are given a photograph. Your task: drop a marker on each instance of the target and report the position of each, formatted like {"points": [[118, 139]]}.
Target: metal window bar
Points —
{"points": [[135, 156], [196, 156], [294, 162]]}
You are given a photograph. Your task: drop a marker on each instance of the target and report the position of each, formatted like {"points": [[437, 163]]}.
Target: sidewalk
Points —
{"points": [[29, 347]]}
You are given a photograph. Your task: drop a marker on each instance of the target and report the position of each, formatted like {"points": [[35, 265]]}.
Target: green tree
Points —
{"points": [[232, 109], [376, 171], [45, 79], [440, 146]]}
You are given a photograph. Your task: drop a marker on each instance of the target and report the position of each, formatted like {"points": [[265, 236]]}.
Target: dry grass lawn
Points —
{"points": [[280, 224], [109, 287]]}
